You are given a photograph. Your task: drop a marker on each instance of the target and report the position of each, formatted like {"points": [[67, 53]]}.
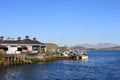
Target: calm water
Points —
{"points": [[101, 65]]}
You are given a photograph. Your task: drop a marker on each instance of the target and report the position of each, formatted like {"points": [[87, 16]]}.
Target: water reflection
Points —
{"points": [[65, 61], [84, 61]]}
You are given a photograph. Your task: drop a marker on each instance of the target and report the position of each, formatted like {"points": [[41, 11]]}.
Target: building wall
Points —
{"points": [[15, 50], [29, 48], [11, 50]]}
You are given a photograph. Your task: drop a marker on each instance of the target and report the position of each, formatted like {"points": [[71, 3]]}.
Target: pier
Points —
{"points": [[24, 58], [14, 59]]}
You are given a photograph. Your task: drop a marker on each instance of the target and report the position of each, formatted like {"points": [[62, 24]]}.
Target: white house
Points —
{"points": [[12, 46]]}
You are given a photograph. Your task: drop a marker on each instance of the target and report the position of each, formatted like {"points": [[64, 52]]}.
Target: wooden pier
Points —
{"points": [[19, 59], [14, 59]]}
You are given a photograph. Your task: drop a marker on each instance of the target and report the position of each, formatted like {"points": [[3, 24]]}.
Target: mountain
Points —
{"points": [[87, 45], [105, 45], [111, 48], [100, 45]]}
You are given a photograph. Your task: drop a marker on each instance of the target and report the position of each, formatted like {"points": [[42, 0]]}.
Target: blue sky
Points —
{"points": [[64, 22]]}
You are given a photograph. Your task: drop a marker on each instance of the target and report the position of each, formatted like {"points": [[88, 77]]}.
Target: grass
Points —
{"points": [[1, 62], [45, 60]]}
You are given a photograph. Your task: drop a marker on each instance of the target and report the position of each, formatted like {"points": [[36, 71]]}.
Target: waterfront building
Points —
{"points": [[11, 46]]}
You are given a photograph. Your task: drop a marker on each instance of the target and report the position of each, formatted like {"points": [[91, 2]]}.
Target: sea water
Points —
{"points": [[101, 65]]}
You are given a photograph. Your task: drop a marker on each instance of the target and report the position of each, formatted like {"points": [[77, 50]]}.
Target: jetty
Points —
{"points": [[29, 58], [13, 59]]}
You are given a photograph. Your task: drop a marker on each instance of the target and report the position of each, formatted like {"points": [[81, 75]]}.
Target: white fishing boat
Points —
{"points": [[81, 54]]}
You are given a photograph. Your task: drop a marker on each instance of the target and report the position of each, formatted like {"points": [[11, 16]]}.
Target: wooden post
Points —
{"points": [[10, 62], [5, 61]]}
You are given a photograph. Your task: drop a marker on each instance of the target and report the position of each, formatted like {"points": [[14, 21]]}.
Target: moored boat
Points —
{"points": [[77, 54]]}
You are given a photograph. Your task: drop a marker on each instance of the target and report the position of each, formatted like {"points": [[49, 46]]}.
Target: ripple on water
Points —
{"points": [[101, 65]]}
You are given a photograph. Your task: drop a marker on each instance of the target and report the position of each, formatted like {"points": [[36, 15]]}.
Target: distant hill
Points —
{"points": [[87, 45], [78, 47], [100, 45], [111, 48], [51, 46]]}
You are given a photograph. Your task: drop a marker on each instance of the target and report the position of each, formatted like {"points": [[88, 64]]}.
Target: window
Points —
{"points": [[6, 49], [35, 47], [19, 49], [25, 48]]}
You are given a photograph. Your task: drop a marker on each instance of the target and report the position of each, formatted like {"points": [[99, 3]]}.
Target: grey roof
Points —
{"points": [[29, 41], [9, 42], [25, 41]]}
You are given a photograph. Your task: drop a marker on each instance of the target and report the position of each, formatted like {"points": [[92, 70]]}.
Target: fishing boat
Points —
{"points": [[74, 55], [79, 54]]}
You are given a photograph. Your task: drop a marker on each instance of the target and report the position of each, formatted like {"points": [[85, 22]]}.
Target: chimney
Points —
{"points": [[19, 38], [26, 37], [34, 39], [1, 38]]}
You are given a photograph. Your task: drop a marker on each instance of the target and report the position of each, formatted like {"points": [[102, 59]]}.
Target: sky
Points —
{"points": [[64, 22]]}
